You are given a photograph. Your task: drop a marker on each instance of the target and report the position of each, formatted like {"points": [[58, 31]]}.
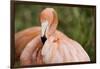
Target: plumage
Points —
{"points": [[23, 37]]}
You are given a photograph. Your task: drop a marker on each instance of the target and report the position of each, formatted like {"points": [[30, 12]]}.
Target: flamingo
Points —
{"points": [[46, 45]]}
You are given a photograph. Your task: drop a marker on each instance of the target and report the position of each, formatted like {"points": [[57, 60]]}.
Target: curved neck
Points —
{"points": [[52, 27]]}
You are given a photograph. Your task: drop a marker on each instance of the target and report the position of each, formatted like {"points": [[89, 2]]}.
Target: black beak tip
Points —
{"points": [[43, 39]]}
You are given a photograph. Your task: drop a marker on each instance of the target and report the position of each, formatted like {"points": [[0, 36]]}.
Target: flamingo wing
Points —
{"points": [[62, 49], [23, 37], [75, 50], [30, 55]]}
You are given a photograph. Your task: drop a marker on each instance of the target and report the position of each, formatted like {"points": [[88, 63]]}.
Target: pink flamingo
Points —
{"points": [[46, 45]]}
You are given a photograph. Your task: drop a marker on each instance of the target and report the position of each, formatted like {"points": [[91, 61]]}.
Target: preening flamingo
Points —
{"points": [[45, 44]]}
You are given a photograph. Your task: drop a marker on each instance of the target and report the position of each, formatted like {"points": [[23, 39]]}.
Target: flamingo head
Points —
{"points": [[49, 21]]}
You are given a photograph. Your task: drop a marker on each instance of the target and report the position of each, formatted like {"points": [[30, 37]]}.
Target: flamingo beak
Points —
{"points": [[44, 28]]}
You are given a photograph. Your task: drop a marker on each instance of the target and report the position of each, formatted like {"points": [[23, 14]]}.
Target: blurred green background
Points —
{"points": [[76, 22]]}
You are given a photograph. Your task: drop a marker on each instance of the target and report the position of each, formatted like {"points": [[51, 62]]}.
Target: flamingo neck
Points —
{"points": [[53, 25]]}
